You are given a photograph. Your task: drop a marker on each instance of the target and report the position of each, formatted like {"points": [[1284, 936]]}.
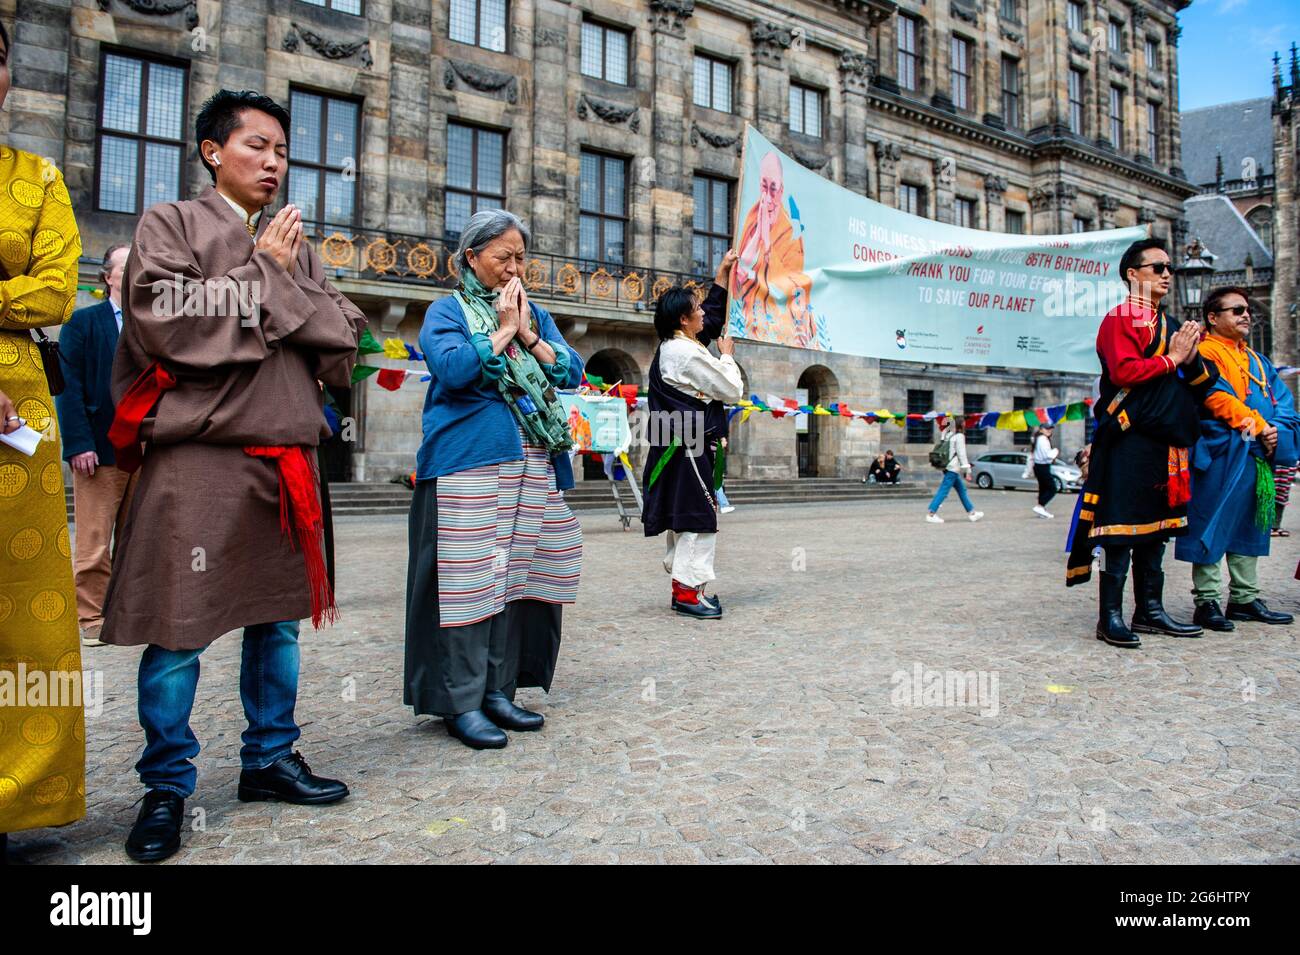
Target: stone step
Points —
{"points": [[363, 499]]}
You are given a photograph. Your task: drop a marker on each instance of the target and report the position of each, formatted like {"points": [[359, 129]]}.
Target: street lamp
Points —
{"points": [[1193, 279]]}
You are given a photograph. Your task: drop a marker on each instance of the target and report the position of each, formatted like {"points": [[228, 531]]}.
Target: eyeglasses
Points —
{"points": [[1159, 268], [1237, 310]]}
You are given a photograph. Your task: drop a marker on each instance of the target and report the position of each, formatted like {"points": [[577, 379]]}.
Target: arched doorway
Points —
{"points": [[816, 443], [612, 366]]}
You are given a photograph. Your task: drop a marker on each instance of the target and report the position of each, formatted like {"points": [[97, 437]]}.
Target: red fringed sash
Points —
{"points": [[124, 434], [1180, 477], [300, 503]]}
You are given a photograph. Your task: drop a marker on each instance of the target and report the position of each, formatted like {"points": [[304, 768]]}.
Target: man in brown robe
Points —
{"points": [[230, 328]]}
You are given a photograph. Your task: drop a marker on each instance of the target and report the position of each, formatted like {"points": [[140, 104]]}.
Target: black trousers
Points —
{"points": [[1119, 559], [1046, 485], [449, 669]]}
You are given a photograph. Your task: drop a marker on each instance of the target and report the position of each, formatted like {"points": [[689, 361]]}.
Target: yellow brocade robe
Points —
{"points": [[42, 746]]}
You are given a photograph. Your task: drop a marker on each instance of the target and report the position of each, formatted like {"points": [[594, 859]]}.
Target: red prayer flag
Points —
{"points": [[390, 378]]}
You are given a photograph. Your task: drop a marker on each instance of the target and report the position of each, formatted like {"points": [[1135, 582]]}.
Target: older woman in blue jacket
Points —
{"points": [[495, 551]]}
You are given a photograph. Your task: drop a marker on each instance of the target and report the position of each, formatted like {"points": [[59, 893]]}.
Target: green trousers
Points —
{"points": [[1243, 581]]}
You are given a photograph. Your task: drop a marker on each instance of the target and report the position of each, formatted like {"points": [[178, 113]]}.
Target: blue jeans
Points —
{"points": [[722, 498], [951, 479], [268, 686]]}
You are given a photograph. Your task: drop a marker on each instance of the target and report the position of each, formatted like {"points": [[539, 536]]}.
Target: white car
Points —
{"points": [[1007, 469]]}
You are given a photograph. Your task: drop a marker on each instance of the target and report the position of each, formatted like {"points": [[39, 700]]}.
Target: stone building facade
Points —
{"points": [[1042, 116]]}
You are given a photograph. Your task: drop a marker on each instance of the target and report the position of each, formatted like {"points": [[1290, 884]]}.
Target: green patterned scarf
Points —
{"points": [[524, 385]]}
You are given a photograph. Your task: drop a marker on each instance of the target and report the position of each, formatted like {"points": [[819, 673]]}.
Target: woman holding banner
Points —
{"points": [[683, 470]]}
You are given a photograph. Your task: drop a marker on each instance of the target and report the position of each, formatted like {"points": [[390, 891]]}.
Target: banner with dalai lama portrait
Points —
{"points": [[824, 268]]}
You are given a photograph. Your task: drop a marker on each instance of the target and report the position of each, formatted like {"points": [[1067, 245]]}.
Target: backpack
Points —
{"points": [[941, 453]]}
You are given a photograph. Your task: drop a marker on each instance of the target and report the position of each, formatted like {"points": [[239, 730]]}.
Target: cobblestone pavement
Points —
{"points": [[773, 734]]}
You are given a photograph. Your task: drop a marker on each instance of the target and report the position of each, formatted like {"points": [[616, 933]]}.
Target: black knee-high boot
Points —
{"points": [[1149, 614], [1110, 620]]}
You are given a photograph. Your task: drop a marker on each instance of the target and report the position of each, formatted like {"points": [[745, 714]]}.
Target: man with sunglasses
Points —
{"points": [[1249, 421], [1153, 380]]}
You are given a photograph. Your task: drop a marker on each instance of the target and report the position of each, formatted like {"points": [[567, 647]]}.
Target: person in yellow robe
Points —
{"points": [[42, 746], [768, 281]]}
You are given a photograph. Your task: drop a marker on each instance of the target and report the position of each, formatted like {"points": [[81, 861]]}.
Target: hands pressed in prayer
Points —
{"points": [[283, 238], [1182, 347]]}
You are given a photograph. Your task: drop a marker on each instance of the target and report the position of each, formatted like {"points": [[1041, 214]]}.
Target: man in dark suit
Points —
{"points": [[101, 491]]}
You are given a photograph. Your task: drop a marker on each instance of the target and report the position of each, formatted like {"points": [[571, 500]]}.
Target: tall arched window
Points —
{"points": [[1261, 220]]}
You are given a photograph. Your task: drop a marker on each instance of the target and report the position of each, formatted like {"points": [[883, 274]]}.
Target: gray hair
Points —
{"points": [[482, 229]]}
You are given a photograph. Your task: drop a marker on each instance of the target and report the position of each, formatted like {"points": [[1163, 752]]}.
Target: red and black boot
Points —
{"points": [[692, 602]]}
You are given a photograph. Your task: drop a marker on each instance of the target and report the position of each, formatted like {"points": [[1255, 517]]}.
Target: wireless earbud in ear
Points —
{"points": [[216, 160]]}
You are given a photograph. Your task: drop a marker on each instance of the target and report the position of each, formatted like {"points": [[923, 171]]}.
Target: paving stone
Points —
{"points": [[775, 734]]}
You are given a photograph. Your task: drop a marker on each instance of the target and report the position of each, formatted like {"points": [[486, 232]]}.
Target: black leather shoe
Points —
{"points": [[1110, 620], [289, 780], [702, 609], [157, 830], [501, 711], [1149, 614], [1256, 610], [476, 731], [1209, 616]]}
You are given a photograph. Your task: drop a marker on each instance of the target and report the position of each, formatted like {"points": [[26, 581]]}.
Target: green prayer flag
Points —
{"points": [[362, 372], [595, 382], [368, 346], [1031, 419], [1075, 411]]}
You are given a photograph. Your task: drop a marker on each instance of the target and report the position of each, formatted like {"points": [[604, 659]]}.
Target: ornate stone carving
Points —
{"points": [[610, 113], [1060, 194], [547, 36], [968, 10], [1140, 17], [994, 187], [161, 8], [815, 163], [1118, 65], [1015, 36], [1108, 203], [1173, 33], [1146, 214], [670, 16], [770, 41], [1079, 44], [714, 140], [887, 156], [857, 70], [482, 79], [330, 49]]}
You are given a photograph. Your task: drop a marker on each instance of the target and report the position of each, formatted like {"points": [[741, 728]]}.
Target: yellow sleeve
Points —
{"points": [[1233, 412], [47, 292]]}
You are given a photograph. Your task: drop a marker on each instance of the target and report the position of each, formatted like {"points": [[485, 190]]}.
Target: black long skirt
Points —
{"points": [[448, 669]]}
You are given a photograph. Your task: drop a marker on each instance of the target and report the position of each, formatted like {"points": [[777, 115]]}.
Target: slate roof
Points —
{"points": [[1240, 129], [1224, 232]]}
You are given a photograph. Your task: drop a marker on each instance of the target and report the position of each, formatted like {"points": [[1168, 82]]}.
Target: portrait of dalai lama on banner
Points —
{"points": [[771, 293]]}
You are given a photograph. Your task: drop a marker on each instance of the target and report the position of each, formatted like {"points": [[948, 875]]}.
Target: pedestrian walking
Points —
{"points": [[950, 455], [1043, 456]]}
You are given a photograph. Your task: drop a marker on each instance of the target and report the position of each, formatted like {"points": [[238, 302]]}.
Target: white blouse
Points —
{"points": [[688, 366]]}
